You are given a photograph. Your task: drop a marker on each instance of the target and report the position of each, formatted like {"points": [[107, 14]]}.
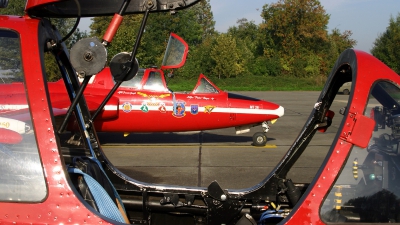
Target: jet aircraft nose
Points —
{"points": [[271, 110], [280, 111], [257, 108]]}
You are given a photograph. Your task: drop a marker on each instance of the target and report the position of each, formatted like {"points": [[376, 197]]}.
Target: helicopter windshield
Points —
{"points": [[367, 187], [21, 172]]}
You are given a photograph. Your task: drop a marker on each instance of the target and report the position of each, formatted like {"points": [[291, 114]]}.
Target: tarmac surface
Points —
{"points": [[197, 158]]}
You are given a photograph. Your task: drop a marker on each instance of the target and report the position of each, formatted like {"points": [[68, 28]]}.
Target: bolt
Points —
{"points": [[88, 56], [223, 197], [81, 74]]}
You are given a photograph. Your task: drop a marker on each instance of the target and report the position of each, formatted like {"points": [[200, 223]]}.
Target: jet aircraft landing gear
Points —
{"points": [[260, 138]]}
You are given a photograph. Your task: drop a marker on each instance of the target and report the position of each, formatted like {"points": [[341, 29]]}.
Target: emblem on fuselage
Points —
{"points": [[179, 109], [209, 108], [162, 107], [144, 107], [194, 109], [127, 107]]}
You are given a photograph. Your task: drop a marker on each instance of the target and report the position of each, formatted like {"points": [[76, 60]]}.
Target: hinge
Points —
{"points": [[348, 125]]}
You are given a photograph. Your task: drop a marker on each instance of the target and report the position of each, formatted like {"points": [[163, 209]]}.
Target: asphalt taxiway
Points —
{"points": [[200, 157]]}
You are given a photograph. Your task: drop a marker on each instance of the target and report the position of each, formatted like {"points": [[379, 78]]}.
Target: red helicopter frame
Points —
{"points": [[45, 181]]}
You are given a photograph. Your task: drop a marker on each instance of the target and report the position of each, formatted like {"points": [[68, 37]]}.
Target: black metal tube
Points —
{"points": [[117, 84], [74, 103], [123, 7], [131, 204], [137, 42]]}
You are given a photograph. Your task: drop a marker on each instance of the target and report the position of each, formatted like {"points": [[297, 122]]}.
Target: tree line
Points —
{"points": [[291, 41]]}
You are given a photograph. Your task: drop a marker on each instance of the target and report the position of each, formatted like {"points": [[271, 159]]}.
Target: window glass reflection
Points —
{"points": [[21, 173], [205, 87], [154, 82], [135, 81], [368, 188]]}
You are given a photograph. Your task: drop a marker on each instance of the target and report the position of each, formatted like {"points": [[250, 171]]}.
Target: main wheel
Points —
{"points": [[346, 92], [259, 139]]}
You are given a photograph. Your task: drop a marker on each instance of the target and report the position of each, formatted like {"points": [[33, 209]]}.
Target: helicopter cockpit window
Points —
{"points": [[154, 82], [135, 81], [368, 187], [21, 173], [205, 87]]}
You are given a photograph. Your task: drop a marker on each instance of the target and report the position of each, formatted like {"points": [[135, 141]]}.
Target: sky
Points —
{"points": [[367, 19]]}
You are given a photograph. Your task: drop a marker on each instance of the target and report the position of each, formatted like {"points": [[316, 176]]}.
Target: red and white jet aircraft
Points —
{"points": [[146, 104]]}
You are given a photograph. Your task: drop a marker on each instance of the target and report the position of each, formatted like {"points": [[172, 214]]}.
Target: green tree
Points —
{"points": [[248, 32], [295, 31], [386, 47], [250, 44], [226, 56], [338, 42], [205, 18], [199, 60], [15, 7]]}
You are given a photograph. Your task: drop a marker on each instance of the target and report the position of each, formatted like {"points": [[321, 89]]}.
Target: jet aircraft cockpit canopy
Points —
{"points": [[151, 81], [135, 82], [205, 86]]}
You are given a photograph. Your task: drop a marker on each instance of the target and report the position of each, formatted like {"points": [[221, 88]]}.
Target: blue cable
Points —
{"points": [[103, 201]]}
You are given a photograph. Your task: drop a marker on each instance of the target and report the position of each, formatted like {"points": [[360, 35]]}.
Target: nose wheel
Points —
{"points": [[259, 139]]}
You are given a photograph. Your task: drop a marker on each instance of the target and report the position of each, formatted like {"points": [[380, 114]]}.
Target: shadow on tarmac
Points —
{"points": [[172, 138]]}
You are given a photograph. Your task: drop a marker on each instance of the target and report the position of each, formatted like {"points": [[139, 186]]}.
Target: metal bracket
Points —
{"points": [[357, 129]]}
